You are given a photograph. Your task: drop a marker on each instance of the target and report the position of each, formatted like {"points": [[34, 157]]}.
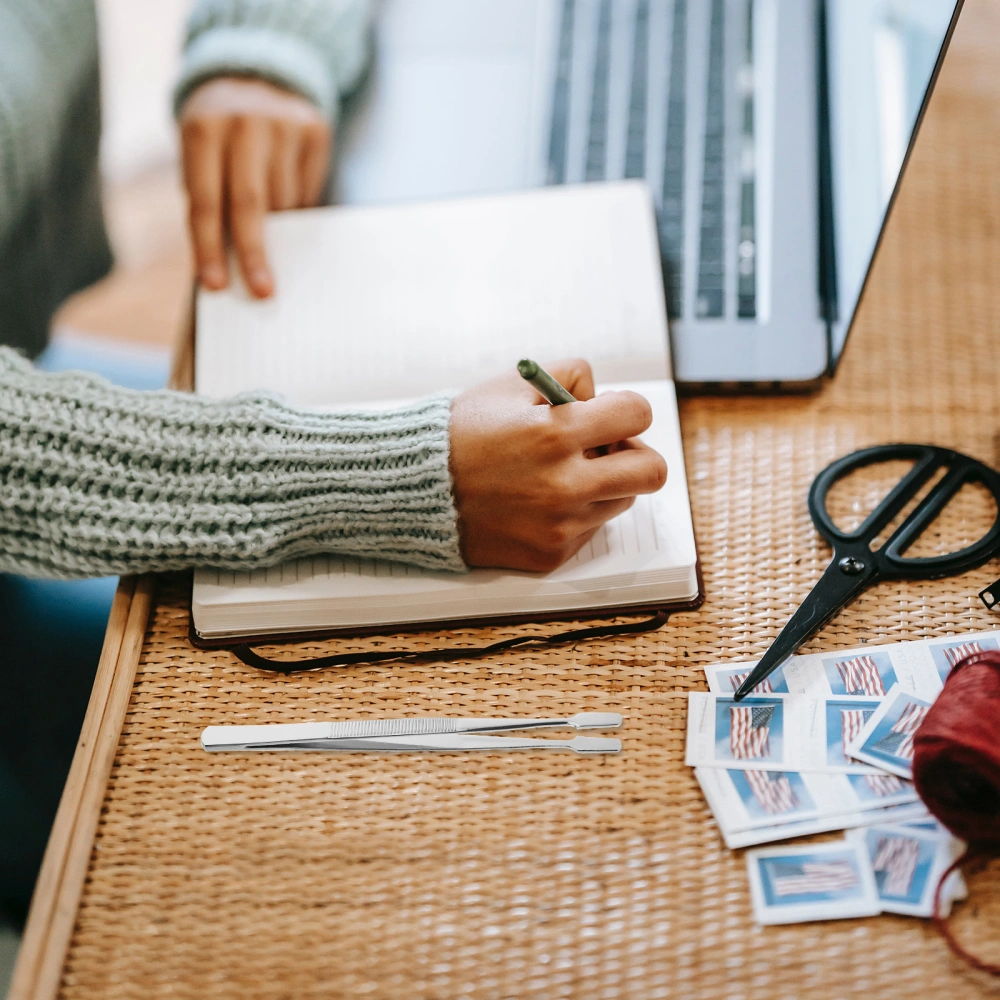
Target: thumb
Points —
{"points": [[573, 374]]}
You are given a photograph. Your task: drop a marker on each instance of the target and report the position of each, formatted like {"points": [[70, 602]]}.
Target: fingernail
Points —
{"points": [[261, 281], [213, 276]]}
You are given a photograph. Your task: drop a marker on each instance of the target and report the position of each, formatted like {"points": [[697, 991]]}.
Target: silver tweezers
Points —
{"points": [[413, 735]]}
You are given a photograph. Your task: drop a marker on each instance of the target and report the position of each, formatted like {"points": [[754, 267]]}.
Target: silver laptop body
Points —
{"points": [[717, 104]]}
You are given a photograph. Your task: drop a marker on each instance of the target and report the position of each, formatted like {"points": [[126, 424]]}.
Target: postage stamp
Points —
{"points": [[749, 730], [886, 738], [726, 678], [947, 654], [870, 674], [815, 882], [881, 789], [907, 864], [844, 720]]}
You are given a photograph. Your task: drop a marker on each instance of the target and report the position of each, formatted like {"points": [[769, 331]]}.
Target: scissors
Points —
{"points": [[855, 567]]}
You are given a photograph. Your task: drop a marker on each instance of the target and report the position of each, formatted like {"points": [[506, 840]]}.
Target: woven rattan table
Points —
{"points": [[172, 873]]}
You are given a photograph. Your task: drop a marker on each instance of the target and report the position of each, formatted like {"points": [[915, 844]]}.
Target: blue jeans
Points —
{"points": [[51, 632]]}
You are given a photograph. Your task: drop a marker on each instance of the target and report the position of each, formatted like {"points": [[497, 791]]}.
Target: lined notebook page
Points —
{"points": [[645, 554], [396, 302]]}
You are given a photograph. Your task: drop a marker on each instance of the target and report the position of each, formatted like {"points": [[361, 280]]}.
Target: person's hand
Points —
{"points": [[533, 482], [248, 146]]}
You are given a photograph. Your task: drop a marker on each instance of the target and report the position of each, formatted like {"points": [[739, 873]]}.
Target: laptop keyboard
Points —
{"points": [[621, 89]]}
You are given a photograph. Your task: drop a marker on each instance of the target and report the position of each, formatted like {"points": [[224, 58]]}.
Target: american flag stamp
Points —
{"points": [[908, 863], [845, 718], [860, 673], [749, 731], [877, 790], [947, 654], [886, 739], [725, 678], [817, 882]]}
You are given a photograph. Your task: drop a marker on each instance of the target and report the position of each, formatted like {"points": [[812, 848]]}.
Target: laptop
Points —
{"points": [[772, 135]]}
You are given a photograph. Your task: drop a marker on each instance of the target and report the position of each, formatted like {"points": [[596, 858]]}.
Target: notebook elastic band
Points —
{"points": [[254, 659]]}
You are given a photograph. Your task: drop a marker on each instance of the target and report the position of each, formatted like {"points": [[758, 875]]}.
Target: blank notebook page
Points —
{"points": [[397, 302]]}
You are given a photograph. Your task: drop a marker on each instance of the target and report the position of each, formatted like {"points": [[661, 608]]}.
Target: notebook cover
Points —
{"points": [[415, 628]]}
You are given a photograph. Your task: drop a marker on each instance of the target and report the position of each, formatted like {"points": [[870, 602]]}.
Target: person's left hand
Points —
{"points": [[248, 146]]}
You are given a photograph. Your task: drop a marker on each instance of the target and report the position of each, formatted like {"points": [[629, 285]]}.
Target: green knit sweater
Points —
{"points": [[95, 479]]}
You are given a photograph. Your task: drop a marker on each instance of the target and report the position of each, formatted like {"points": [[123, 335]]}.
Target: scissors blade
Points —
{"points": [[834, 589]]}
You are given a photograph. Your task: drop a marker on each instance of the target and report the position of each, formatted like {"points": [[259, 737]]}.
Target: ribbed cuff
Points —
{"points": [[97, 480], [271, 55]]}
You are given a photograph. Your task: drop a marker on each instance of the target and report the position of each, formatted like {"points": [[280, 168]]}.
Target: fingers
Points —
{"points": [[603, 510], [314, 159], [202, 145], [286, 180], [624, 474], [249, 149], [527, 493], [507, 553], [249, 146], [611, 417]]}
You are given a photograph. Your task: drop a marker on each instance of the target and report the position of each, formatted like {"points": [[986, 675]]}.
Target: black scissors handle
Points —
{"points": [[855, 566], [890, 559]]}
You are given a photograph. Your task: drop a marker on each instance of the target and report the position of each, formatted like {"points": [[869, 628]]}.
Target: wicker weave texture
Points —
{"points": [[550, 875]]}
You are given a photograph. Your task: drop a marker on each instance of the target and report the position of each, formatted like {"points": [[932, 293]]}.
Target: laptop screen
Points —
{"points": [[882, 57]]}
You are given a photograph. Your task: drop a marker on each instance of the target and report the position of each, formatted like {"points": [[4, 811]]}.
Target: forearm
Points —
{"points": [[95, 480], [318, 48]]}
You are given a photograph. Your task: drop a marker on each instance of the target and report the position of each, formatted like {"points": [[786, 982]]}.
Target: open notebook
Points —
{"points": [[376, 304]]}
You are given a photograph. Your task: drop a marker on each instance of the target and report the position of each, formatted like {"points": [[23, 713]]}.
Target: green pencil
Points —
{"points": [[546, 385]]}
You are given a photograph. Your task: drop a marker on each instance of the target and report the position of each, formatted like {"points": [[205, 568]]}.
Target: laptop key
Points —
{"points": [[597, 134], [712, 247], [672, 190], [746, 250], [559, 130], [635, 142]]}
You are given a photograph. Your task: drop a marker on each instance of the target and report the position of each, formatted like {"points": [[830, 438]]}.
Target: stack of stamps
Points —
{"points": [[826, 743]]}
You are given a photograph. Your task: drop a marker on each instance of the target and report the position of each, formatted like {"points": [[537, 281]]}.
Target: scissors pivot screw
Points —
{"points": [[851, 566]]}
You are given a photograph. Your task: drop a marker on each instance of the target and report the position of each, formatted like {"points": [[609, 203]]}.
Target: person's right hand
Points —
{"points": [[533, 482]]}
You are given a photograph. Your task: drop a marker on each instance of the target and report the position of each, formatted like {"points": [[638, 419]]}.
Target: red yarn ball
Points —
{"points": [[956, 753]]}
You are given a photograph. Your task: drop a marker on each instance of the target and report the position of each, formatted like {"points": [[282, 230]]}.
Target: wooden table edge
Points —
{"points": [[56, 899]]}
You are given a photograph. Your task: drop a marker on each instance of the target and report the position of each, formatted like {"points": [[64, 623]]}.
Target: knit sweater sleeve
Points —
{"points": [[96, 479], [318, 48]]}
